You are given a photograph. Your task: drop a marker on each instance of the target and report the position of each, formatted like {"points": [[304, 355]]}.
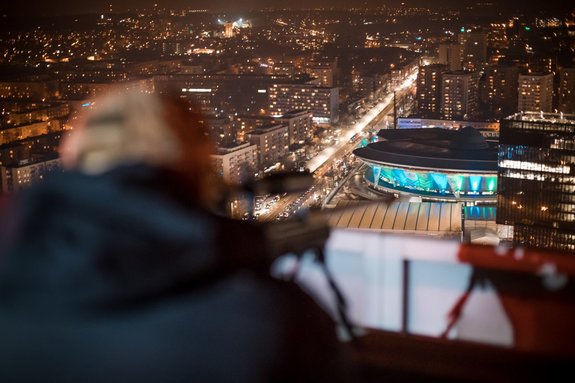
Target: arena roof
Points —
{"points": [[432, 148], [434, 218]]}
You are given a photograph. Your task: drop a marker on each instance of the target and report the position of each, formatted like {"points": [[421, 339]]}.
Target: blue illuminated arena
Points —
{"points": [[436, 164]]}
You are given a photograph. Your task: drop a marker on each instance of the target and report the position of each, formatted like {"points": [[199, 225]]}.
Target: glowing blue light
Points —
{"points": [[376, 173], [400, 176], [492, 183], [440, 180], [475, 182], [86, 104]]}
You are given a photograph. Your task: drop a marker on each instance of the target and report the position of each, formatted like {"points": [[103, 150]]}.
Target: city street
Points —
{"points": [[322, 165]]}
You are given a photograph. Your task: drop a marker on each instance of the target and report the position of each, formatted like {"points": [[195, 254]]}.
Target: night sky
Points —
{"points": [[47, 7]]}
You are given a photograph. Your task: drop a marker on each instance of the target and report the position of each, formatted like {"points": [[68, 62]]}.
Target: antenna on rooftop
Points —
{"points": [[394, 110]]}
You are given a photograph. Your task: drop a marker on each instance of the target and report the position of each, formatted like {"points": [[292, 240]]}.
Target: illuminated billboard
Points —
{"points": [[432, 183]]}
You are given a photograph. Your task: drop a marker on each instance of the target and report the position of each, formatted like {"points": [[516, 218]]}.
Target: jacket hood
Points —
{"points": [[80, 238]]}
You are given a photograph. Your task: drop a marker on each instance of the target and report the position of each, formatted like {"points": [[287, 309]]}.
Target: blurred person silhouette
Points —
{"points": [[116, 270]]}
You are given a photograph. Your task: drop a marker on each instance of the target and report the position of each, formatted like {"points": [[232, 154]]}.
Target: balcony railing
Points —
{"points": [[435, 309]]}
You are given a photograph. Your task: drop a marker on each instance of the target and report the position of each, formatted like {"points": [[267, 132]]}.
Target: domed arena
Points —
{"points": [[433, 163]]}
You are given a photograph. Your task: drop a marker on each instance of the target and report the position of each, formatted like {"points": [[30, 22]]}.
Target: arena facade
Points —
{"points": [[433, 163]]}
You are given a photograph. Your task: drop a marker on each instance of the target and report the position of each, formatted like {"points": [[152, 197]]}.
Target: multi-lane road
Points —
{"points": [[323, 162]]}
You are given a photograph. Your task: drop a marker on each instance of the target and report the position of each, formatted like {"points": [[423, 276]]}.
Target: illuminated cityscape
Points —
{"points": [[452, 121], [254, 71]]}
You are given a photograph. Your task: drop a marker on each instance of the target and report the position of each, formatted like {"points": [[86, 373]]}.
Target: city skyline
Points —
{"points": [[290, 89], [70, 7]]}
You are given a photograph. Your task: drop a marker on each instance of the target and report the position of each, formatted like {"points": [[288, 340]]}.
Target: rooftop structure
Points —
{"points": [[429, 218]]}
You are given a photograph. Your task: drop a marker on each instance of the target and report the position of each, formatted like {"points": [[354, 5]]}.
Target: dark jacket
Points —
{"points": [[119, 278]]}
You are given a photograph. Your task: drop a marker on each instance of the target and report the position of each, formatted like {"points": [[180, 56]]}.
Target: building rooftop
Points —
{"points": [[433, 148], [430, 218], [553, 118]]}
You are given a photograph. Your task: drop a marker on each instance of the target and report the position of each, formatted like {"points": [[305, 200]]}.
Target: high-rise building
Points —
{"points": [[567, 90], [272, 142], [321, 101], [460, 95], [500, 90], [474, 45], [299, 123], [323, 72], [429, 90], [236, 163], [450, 55], [497, 36], [536, 178], [542, 63], [535, 93]]}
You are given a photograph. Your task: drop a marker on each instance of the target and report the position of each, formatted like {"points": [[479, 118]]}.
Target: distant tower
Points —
{"points": [[535, 179], [535, 93], [567, 90], [450, 55], [501, 82], [474, 45], [228, 29], [460, 95], [429, 90]]}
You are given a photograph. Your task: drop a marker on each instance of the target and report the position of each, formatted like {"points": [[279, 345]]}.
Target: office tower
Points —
{"points": [[460, 95], [474, 44], [536, 179], [500, 96], [429, 90], [535, 93], [322, 102], [236, 163], [567, 90], [450, 55], [272, 141]]}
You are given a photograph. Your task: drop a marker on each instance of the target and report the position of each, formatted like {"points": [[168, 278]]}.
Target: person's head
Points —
{"points": [[131, 127]]}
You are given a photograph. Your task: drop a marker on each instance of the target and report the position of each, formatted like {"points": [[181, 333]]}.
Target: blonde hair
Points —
{"points": [[133, 127]]}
